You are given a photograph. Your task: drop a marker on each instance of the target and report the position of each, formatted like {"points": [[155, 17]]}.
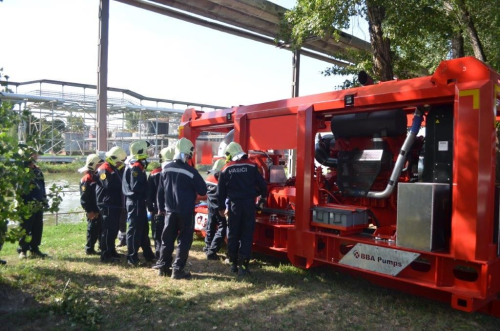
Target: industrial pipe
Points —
{"points": [[396, 172], [364, 79], [322, 151]]}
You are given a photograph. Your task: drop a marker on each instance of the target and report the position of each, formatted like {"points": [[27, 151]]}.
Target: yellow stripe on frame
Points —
{"points": [[471, 93]]}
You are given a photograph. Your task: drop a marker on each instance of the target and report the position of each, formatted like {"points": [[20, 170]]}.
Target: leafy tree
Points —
{"points": [[15, 178], [408, 37], [132, 120], [76, 124], [50, 134]]}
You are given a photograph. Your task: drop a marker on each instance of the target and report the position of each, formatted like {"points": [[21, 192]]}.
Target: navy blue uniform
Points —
{"points": [[109, 202], [33, 225], [157, 221], [179, 186], [135, 189], [217, 224], [240, 182], [89, 204]]}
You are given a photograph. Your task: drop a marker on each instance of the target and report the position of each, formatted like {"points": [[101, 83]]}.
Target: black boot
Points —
{"points": [[163, 271], [2, 262], [91, 252], [37, 254], [234, 264], [116, 255], [243, 267], [180, 274]]}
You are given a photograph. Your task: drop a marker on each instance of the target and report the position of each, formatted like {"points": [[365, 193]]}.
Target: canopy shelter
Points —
{"points": [[50, 101]]}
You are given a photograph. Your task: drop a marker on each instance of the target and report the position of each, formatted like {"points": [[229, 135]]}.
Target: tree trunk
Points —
{"points": [[466, 20], [457, 45], [381, 46]]}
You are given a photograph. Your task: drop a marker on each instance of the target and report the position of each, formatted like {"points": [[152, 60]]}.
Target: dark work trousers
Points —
{"points": [[216, 231], [181, 227], [138, 231], [34, 228], [158, 223], [93, 233], [240, 228], [110, 222], [122, 233]]}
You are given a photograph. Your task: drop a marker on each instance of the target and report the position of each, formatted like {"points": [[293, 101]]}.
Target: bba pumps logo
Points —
{"points": [[376, 259]]}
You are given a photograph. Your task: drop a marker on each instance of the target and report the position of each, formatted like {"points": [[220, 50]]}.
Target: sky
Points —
{"points": [[151, 54]]}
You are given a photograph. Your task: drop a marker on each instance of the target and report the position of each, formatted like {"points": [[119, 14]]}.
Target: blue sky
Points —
{"points": [[151, 54]]}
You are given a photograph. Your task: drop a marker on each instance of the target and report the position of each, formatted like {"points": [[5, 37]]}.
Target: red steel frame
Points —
{"points": [[468, 275]]}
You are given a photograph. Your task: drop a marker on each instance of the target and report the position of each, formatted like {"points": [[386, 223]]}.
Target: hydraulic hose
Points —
{"points": [[396, 172]]}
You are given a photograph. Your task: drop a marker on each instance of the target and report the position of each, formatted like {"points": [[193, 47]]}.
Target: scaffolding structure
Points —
{"points": [[130, 116]]}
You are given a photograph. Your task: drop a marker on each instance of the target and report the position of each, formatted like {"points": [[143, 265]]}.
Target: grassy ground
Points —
{"points": [[70, 290]]}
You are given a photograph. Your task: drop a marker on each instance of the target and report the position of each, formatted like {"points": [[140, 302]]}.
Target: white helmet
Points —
{"points": [[234, 152], [139, 150], [183, 149], [93, 160], [218, 165], [167, 153], [116, 154]]}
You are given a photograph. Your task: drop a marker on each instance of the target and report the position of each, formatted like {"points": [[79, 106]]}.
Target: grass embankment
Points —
{"points": [[54, 168], [70, 290]]}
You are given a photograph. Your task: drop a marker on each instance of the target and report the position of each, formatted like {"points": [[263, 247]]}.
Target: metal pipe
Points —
{"points": [[410, 138], [102, 77], [224, 28]]}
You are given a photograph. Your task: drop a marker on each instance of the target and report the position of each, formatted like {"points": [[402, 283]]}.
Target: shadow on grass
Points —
{"points": [[19, 310]]}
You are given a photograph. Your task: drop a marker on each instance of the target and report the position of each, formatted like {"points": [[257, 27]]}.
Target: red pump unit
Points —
{"points": [[395, 181]]}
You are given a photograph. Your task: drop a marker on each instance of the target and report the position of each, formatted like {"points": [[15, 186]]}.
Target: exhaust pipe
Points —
{"points": [[364, 79], [396, 172]]}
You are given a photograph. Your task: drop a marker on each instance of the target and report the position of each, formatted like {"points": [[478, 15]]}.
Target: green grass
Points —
{"points": [[53, 168], [70, 290]]}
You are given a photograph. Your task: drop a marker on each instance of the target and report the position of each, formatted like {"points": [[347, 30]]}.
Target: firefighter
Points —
{"points": [[239, 181], [110, 201], [89, 203], [158, 221], [33, 225], [135, 188], [214, 239], [179, 185]]}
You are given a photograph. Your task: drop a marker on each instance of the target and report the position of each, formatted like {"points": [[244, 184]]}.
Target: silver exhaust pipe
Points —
{"points": [[396, 172]]}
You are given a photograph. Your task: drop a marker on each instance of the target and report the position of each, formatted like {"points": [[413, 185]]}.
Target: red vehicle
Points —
{"points": [[395, 182]]}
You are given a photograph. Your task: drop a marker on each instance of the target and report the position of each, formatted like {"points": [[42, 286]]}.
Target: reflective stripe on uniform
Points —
{"points": [[180, 171]]}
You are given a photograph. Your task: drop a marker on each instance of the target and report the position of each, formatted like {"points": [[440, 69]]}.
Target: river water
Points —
{"points": [[71, 199]]}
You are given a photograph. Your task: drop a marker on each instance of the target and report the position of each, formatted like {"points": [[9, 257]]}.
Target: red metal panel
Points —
{"points": [[305, 167], [272, 133], [474, 172]]}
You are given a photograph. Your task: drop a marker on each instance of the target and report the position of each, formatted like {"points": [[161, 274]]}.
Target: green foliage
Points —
{"points": [[53, 168], [50, 134], [76, 124], [75, 303], [420, 32], [15, 178], [132, 121]]}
